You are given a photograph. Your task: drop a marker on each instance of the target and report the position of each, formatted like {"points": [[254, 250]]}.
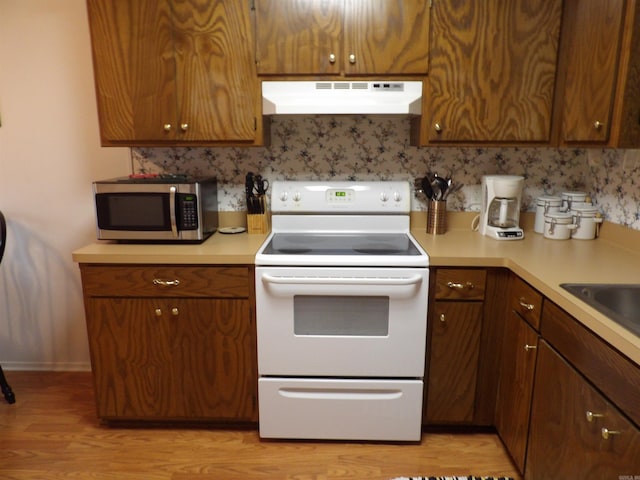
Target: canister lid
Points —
{"points": [[584, 210], [551, 200], [574, 195]]}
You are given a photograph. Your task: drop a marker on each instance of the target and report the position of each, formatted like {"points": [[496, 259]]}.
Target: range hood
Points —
{"points": [[341, 97]]}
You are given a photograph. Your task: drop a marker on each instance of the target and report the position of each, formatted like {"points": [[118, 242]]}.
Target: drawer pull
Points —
{"points": [[166, 283], [606, 433], [591, 416], [461, 286], [443, 318], [158, 312], [530, 347], [175, 311], [525, 305]]}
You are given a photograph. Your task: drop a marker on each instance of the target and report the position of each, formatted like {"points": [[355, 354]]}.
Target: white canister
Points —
{"points": [[545, 204], [569, 199], [558, 226], [586, 218]]}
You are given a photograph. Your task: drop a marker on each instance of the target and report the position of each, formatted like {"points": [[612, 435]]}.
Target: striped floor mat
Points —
{"points": [[466, 477]]}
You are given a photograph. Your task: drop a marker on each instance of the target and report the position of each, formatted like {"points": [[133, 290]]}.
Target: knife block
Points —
{"points": [[259, 222]]}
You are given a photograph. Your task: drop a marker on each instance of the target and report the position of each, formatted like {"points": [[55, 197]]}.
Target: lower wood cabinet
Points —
{"points": [[453, 371], [172, 343], [518, 363], [464, 325], [516, 386], [575, 432]]}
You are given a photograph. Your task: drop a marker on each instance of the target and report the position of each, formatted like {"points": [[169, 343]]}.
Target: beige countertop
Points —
{"points": [[220, 248], [544, 263]]}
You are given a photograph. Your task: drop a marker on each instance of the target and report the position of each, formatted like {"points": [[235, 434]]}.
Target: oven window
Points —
{"points": [[341, 315]]}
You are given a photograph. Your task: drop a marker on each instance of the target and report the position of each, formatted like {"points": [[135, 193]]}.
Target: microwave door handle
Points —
{"points": [[172, 210]]}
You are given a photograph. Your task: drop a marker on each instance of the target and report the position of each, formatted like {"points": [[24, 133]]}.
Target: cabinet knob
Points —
{"points": [[443, 318], [437, 127], [175, 311], [598, 124], [530, 347], [166, 127], [184, 127], [158, 312], [352, 59], [332, 58], [591, 416], [461, 286], [606, 433], [525, 305]]}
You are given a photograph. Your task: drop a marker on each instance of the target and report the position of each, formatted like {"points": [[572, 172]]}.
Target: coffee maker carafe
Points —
{"points": [[500, 214]]}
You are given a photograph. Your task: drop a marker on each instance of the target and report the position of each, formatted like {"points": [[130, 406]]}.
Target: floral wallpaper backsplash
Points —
{"points": [[356, 147]]}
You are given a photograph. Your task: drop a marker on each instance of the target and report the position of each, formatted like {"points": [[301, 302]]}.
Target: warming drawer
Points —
{"points": [[340, 409]]}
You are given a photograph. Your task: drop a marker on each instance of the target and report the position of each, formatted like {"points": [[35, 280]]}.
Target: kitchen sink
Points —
{"points": [[619, 302]]}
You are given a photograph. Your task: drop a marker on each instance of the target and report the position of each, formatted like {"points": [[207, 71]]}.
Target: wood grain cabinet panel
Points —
{"points": [[455, 331], [342, 37], [174, 71], [592, 32], [460, 284], [492, 71], [526, 301], [453, 370], [565, 440], [515, 386], [188, 355]]}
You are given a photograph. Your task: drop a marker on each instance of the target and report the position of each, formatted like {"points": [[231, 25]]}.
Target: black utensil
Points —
{"points": [[426, 188]]}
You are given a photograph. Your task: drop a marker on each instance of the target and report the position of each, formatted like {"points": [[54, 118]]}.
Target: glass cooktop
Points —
{"points": [[341, 244]]}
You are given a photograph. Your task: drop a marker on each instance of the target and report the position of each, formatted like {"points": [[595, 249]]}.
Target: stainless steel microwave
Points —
{"points": [[156, 208]]}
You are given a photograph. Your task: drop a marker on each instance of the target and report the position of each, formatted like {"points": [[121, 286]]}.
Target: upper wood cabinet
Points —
{"points": [[342, 37], [174, 71], [599, 81], [492, 71]]}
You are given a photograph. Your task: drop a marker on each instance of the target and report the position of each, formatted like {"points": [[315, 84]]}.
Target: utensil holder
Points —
{"points": [[259, 222], [437, 217]]}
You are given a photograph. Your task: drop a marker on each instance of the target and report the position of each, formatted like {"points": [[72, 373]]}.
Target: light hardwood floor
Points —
{"points": [[51, 433]]}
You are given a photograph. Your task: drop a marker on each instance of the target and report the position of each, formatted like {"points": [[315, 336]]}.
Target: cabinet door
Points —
{"points": [[172, 358], [453, 362], [134, 68], [215, 71], [173, 71], [386, 37], [298, 36], [592, 30], [515, 387], [566, 442], [492, 70]]}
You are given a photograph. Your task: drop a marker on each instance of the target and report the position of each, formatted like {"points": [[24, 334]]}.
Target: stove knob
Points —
{"points": [[384, 197], [284, 196], [296, 196], [396, 196]]}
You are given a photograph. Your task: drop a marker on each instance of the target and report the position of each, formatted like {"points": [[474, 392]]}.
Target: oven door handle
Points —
{"points": [[300, 280]]}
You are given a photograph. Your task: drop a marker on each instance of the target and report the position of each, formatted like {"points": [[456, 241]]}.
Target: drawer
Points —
{"points": [[460, 284], [614, 374], [526, 301], [342, 409], [165, 281]]}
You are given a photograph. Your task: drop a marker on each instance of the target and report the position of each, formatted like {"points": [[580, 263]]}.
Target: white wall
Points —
{"points": [[49, 154]]}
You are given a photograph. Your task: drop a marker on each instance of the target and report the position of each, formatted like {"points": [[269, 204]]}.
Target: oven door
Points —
{"points": [[341, 322]]}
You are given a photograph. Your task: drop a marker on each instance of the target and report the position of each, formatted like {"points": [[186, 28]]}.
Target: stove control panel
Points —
{"points": [[388, 197]]}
